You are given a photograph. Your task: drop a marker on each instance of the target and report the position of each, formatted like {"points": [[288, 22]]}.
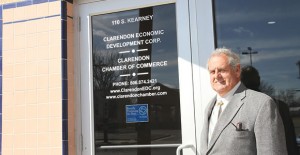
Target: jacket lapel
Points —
{"points": [[228, 114]]}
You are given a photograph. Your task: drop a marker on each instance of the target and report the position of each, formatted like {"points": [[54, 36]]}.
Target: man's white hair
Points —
{"points": [[233, 58]]}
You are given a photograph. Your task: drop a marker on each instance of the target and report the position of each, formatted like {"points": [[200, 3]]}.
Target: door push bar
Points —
{"points": [[179, 146], [139, 146]]}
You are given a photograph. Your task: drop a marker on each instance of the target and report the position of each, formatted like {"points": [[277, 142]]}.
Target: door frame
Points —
{"points": [[195, 38]]}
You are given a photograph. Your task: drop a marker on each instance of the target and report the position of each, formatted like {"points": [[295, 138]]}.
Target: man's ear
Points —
{"points": [[238, 70]]}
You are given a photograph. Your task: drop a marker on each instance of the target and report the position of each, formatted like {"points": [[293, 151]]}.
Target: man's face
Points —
{"points": [[222, 77]]}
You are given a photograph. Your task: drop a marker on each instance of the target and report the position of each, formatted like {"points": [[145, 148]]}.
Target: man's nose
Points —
{"points": [[217, 74]]}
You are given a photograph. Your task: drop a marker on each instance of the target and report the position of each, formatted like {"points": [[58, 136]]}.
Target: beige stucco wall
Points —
{"points": [[32, 83]]}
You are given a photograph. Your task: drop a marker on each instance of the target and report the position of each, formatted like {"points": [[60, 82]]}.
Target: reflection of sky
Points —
{"points": [[242, 24], [163, 19]]}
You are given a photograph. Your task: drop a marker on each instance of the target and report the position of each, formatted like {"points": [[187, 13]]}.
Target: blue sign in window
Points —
{"points": [[137, 113]]}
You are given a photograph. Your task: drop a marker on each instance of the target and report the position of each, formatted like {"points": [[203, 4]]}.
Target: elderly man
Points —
{"points": [[239, 121]]}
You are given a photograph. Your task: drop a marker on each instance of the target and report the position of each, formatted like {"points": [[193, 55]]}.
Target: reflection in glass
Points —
{"points": [[134, 56], [266, 34]]}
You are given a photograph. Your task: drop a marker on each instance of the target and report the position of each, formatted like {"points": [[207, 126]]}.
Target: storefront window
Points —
{"points": [[266, 35]]}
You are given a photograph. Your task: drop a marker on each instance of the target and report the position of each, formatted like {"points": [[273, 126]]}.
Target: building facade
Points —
{"points": [[129, 77]]}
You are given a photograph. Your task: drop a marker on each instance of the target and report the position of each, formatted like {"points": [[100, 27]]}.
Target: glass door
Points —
{"points": [[136, 78]]}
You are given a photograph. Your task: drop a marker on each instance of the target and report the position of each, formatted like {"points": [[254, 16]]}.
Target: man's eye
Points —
{"points": [[222, 71]]}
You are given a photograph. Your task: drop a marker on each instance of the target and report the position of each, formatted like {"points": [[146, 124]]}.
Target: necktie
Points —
{"points": [[219, 104], [214, 119]]}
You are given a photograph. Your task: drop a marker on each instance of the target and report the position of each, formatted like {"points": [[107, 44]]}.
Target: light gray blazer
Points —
{"points": [[262, 131]]}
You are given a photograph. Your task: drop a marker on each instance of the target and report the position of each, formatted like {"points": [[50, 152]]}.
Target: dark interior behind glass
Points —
{"points": [[135, 81]]}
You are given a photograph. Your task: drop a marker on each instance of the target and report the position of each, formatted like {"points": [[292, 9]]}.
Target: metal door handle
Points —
{"points": [[183, 146]]}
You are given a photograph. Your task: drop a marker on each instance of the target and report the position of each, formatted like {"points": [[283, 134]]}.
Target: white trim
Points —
{"points": [[185, 76], [202, 35]]}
